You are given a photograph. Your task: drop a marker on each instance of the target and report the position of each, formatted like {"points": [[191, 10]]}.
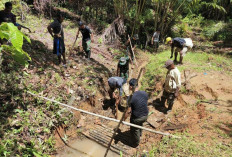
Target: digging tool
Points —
{"points": [[123, 116], [132, 50], [97, 115], [74, 42]]}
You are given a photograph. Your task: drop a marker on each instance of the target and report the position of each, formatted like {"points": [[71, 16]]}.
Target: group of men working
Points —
{"points": [[137, 100], [56, 31]]}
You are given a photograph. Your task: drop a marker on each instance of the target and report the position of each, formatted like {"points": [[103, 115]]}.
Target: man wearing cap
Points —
{"points": [[57, 32], [116, 83], [133, 42], [138, 109], [181, 45], [172, 85], [123, 67], [87, 37]]}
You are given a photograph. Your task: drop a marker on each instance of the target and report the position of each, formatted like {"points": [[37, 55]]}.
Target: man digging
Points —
{"points": [[138, 110], [181, 44], [116, 90], [87, 37], [171, 86]]}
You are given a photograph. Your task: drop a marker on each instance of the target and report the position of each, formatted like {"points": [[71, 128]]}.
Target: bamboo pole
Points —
{"points": [[97, 115], [132, 50]]}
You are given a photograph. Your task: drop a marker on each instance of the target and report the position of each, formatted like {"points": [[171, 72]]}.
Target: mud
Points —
{"points": [[85, 148]]}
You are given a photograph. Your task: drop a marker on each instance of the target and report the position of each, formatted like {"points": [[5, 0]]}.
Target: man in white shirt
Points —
{"points": [[172, 84]]}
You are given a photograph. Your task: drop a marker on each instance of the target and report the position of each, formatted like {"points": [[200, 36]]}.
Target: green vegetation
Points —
{"points": [[28, 124], [10, 33], [200, 62], [188, 146]]}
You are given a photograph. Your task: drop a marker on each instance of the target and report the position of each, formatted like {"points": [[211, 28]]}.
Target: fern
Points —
{"points": [[11, 33]]}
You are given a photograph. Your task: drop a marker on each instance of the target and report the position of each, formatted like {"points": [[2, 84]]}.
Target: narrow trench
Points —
{"points": [[88, 147]]}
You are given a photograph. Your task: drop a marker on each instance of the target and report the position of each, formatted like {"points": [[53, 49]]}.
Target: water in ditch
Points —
{"points": [[85, 148]]}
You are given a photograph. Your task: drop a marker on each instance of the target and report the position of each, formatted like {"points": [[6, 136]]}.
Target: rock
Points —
{"points": [[81, 122], [78, 98]]}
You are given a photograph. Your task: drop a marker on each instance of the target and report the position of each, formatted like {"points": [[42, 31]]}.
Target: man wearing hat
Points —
{"points": [[134, 42], [138, 109], [172, 84], [87, 37], [123, 67], [116, 83], [181, 44]]}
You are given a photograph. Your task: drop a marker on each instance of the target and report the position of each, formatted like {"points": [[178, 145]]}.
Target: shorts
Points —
{"points": [[182, 51], [58, 46]]}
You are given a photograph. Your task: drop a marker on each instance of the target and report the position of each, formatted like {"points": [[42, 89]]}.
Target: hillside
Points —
{"points": [[33, 126]]}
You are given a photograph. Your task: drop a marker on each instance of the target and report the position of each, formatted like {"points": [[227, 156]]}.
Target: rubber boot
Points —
{"points": [[88, 54]]}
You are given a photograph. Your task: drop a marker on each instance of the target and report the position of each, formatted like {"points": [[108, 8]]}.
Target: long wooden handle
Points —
{"points": [[132, 50]]}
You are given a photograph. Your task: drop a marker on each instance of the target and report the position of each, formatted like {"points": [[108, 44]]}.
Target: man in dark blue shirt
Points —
{"points": [[138, 109], [87, 37]]}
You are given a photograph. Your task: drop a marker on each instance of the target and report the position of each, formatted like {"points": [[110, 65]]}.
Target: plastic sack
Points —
{"points": [[189, 42]]}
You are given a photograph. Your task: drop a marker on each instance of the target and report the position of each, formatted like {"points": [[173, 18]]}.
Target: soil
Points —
{"points": [[200, 111]]}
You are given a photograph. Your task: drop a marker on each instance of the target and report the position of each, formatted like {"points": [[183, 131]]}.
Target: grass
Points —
{"points": [[187, 146], [199, 62]]}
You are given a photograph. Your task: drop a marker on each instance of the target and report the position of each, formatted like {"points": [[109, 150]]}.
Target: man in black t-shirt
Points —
{"points": [[138, 109], [87, 37]]}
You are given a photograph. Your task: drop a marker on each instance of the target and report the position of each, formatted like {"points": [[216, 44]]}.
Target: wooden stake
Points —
{"points": [[132, 50]]}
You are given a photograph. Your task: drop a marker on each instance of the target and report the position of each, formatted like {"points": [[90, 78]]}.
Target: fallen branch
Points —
{"points": [[188, 78]]}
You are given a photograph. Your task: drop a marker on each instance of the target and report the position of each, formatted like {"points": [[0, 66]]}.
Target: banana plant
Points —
{"points": [[14, 44]]}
